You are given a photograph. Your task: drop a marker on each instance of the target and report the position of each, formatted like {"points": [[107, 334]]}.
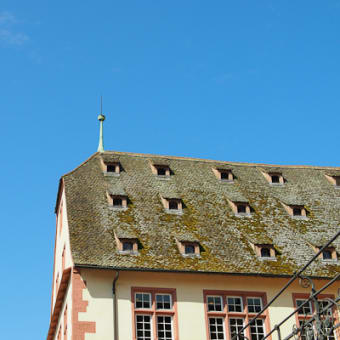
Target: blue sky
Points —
{"points": [[249, 81]]}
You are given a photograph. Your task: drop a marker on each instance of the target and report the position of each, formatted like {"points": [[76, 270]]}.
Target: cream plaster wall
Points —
{"points": [[189, 288]]}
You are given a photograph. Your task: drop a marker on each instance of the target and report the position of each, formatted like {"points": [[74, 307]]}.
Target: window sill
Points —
{"points": [[303, 218], [191, 256], [162, 178], [267, 258], [174, 212], [276, 184], [117, 208], [227, 181], [127, 252], [331, 261], [111, 174], [242, 215]]}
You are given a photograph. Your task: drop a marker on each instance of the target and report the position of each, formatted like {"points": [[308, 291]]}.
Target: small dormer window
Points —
{"points": [[117, 201], [187, 248], [265, 251], [224, 175], [127, 245], [160, 170], [328, 254], [274, 178], [172, 204], [297, 211], [334, 180], [240, 208], [112, 168]]}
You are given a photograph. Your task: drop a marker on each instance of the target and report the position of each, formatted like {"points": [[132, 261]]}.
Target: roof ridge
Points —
{"points": [[218, 161]]}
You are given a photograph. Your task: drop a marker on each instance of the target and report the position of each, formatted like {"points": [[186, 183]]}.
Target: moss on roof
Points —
{"points": [[225, 239]]}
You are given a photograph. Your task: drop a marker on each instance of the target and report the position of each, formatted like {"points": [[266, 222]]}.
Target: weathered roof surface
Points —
{"points": [[225, 239]]}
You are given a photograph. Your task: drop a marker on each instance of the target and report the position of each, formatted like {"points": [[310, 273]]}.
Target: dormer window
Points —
{"points": [[172, 204], [161, 170], [240, 208], [274, 178], [127, 245], [224, 175], [117, 201], [328, 254], [112, 168], [265, 251], [296, 211], [187, 248], [334, 180]]}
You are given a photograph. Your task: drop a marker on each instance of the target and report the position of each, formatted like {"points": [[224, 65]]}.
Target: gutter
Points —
{"points": [[91, 266], [115, 310]]}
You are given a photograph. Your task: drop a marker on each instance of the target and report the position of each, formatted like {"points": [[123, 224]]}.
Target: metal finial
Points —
{"points": [[101, 118]]}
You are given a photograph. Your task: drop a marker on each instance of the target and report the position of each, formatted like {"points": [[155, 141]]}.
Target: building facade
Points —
{"points": [[166, 248]]}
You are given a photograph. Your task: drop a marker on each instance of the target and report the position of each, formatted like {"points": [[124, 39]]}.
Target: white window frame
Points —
{"points": [[239, 297], [222, 305], [254, 297], [150, 301], [171, 305]]}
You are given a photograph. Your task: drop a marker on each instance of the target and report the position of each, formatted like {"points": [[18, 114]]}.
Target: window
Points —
{"points": [[127, 245], [334, 180], [308, 310], [328, 254], [224, 175], [230, 310], [296, 211], [274, 178], [117, 201], [173, 205], [240, 208], [155, 313], [161, 170], [214, 303], [216, 328], [265, 252], [113, 168], [188, 248]]}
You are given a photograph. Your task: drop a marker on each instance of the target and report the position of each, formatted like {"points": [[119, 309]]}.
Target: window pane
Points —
{"points": [[306, 309], [163, 301], [307, 332], [143, 300], [254, 305], [127, 246], [257, 330], [164, 327], [214, 303], [189, 249], [234, 304], [235, 326], [143, 327], [216, 328]]}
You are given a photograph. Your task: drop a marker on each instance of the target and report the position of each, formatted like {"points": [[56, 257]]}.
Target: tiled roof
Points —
{"points": [[225, 239]]}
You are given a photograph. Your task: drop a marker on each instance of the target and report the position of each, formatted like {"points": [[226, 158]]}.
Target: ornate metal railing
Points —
{"points": [[319, 326]]}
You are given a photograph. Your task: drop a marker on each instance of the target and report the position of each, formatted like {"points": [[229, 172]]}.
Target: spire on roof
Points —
{"points": [[101, 118]]}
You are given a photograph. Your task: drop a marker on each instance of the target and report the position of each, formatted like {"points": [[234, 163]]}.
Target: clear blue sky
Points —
{"points": [[250, 81]]}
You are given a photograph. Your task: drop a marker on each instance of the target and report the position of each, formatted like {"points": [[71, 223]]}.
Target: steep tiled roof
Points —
{"points": [[225, 239]]}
